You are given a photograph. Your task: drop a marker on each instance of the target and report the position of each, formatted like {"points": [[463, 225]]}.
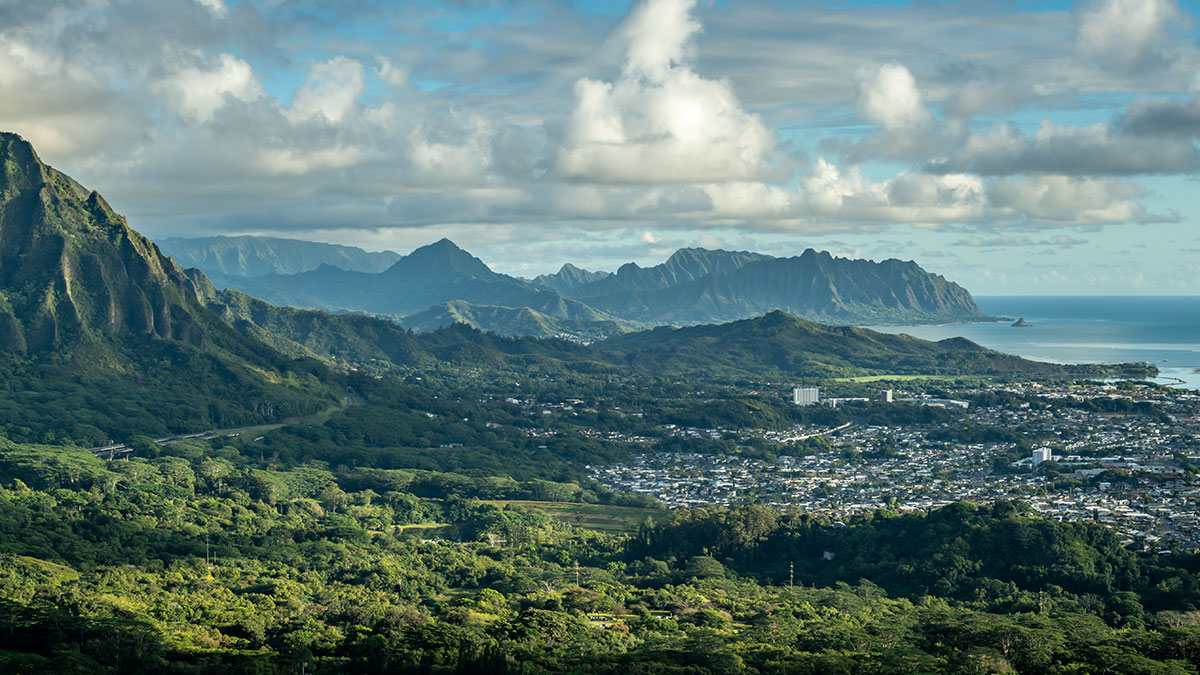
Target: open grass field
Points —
{"points": [[591, 516]]}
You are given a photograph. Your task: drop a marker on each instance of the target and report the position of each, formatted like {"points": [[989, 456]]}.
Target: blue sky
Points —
{"points": [[1015, 147]]}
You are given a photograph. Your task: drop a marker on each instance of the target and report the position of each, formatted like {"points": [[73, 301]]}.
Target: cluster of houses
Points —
{"points": [[1136, 473]]}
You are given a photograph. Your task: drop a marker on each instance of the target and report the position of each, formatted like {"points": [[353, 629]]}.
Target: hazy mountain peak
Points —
{"points": [[441, 244], [443, 255], [567, 277], [253, 256]]}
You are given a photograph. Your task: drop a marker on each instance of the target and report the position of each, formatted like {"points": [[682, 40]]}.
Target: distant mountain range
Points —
{"points": [[102, 336], [257, 256], [440, 284]]}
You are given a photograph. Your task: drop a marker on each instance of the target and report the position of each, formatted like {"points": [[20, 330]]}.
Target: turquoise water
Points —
{"points": [[1163, 330]]}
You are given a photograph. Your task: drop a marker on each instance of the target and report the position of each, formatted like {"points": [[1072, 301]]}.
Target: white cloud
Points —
{"points": [[534, 134], [331, 91], [1096, 149], [910, 197], [1127, 34], [457, 152], [392, 74], [961, 199], [198, 92], [888, 95], [661, 122], [66, 110], [1049, 201], [217, 7], [1061, 240], [296, 162], [658, 35]]}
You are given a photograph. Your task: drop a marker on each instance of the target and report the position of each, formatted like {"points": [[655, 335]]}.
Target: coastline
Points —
{"points": [[1163, 331]]}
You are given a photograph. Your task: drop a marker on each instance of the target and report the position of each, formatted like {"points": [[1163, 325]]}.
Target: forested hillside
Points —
{"points": [[201, 558]]}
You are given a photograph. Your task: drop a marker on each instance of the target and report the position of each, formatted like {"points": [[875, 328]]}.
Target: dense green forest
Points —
{"points": [[199, 557], [383, 537]]}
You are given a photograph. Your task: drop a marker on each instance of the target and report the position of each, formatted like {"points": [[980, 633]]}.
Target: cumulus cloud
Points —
{"points": [[910, 197], [660, 121], [198, 91], [192, 127], [962, 199], [331, 91], [65, 109], [1051, 201], [888, 95], [1092, 150], [1129, 35]]}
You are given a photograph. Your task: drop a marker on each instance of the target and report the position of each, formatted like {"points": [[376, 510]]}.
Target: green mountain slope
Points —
{"points": [[257, 256], [775, 345], [814, 285], [511, 322], [357, 339], [780, 344], [102, 336]]}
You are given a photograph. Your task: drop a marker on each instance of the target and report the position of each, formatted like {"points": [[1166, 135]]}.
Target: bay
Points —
{"points": [[1163, 330]]}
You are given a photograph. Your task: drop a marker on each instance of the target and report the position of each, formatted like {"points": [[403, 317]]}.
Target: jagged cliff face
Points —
{"points": [[72, 270]]}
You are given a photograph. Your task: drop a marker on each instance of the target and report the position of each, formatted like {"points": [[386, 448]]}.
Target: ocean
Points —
{"points": [[1163, 330]]}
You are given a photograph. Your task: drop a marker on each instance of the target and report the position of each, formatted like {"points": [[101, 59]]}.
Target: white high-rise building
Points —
{"points": [[806, 395], [1042, 455]]}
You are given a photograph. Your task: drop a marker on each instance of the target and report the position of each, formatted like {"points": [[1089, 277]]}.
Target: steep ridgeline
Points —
{"points": [[568, 277], [814, 285], [685, 266], [440, 284], [426, 278], [257, 256], [72, 271], [94, 316]]}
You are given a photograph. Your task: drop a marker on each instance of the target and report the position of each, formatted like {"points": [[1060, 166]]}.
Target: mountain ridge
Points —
{"points": [[106, 337], [567, 277], [102, 327], [692, 286], [252, 256]]}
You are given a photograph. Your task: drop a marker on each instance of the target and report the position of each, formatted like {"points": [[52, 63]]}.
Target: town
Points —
{"points": [[1133, 471]]}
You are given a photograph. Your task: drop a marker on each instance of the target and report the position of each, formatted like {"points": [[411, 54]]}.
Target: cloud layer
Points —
{"points": [[530, 119]]}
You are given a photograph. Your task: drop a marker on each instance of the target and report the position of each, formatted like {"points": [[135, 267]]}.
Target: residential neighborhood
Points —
{"points": [[1135, 472]]}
